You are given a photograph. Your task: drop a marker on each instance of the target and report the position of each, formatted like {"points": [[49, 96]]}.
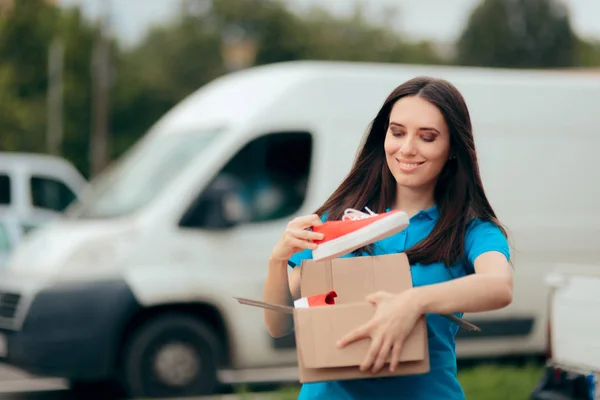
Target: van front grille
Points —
{"points": [[8, 305], [9, 309]]}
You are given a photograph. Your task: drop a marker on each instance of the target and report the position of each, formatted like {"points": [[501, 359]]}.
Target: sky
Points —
{"points": [[438, 20]]}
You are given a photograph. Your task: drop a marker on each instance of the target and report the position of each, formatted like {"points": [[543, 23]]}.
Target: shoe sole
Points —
{"points": [[369, 234]]}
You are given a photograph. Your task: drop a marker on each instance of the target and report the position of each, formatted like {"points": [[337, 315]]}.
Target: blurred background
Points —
{"points": [[85, 79]]}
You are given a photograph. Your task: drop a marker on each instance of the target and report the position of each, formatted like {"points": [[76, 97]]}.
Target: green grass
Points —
{"points": [[487, 382], [484, 382]]}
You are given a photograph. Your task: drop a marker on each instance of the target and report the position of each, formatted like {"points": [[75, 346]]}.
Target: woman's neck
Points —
{"points": [[411, 200]]}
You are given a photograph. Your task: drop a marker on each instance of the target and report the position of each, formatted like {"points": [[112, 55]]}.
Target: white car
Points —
{"points": [[36, 188]]}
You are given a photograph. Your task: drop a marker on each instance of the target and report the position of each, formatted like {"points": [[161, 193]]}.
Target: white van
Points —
{"points": [[137, 283]]}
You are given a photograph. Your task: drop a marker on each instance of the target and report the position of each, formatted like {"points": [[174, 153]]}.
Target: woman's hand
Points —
{"points": [[395, 318], [297, 237]]}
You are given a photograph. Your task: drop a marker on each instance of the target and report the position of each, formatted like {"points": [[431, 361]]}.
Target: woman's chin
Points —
{"points": [[407, 181], [408, 186], [414, 183]]}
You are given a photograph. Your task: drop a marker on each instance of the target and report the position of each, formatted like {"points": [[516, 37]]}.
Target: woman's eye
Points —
{"points": [[397, 133], [428, 138]]}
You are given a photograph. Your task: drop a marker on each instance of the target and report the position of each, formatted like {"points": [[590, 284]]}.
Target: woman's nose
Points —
{"points": [[408, 147]]}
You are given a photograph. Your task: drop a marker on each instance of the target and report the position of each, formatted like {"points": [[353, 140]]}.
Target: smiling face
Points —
{"points": [[417, 143]]}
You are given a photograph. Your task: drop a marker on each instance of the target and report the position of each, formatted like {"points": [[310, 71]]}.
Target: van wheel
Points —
{"points": [[171, 356]]}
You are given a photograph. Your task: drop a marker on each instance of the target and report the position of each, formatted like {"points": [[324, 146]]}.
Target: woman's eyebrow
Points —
{"points": [[424, 128]]}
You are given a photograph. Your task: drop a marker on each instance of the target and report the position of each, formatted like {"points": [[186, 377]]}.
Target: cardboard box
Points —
{"points": [[318, 328]]}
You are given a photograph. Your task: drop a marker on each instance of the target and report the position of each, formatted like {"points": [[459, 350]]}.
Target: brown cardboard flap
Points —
{"points": [[319, 329], [267, 306], [290, 310]]}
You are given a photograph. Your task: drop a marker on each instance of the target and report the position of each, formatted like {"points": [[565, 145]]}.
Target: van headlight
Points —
{"points": [[99, 256]]}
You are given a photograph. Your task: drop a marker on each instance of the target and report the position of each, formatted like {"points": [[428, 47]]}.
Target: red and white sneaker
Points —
{"points": [[355, 230], [324, 299]]}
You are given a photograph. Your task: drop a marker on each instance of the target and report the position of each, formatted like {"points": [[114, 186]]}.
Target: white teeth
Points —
{"points": [[404, 165]]}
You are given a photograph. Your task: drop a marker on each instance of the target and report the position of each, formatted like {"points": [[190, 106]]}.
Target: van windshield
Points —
{"points": [[141, 175]]}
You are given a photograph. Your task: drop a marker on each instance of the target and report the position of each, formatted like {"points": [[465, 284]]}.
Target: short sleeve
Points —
{"points": [[481, 237], [297, 258]]}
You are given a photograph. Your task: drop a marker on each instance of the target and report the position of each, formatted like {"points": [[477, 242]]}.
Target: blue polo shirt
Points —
{"points": [[441, 382]]}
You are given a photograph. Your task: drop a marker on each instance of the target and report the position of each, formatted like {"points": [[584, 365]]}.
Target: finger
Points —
{"points": [[374, 349], [384, 351], [377, 296], [304, 234], [301, 244], [359, 333], [373, 297], [395, 357], [305, 221], [315, 220]]}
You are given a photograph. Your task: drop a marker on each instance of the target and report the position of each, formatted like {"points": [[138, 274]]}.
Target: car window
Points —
{"points": [[5, 194], [268, 176], [50, 193], [144, 173]]}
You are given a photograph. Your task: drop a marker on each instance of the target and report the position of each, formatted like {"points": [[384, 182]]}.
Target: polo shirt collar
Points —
{"points": [[432, 213]]}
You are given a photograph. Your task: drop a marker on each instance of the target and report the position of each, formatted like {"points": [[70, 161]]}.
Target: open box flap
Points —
{"points": [[290, 310], [267, 306]]}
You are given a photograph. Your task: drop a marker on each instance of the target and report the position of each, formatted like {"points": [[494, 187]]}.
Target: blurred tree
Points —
{"points": [[25, 36], [518, 33], [278, 34], [588, 53], [78, 38], [353, 38], [176, 59], [168, 65], [207, 40], [13, 116], [24, 39]]}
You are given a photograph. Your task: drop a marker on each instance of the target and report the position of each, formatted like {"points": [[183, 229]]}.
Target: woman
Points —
{"points": [[419, 157]]}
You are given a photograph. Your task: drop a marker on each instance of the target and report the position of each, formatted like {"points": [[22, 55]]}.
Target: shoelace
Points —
{"points": [[352, 214]]}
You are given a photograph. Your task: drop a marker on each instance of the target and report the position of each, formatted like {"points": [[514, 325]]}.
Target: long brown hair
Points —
{"points": [[459, 192]]}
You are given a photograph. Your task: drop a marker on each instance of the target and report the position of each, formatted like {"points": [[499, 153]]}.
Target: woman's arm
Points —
{"points": [[280, 288], [277, 291], [490, 288]]}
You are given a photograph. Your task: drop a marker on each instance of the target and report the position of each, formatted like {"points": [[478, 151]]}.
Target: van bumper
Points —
{"points": [[562, 384], [72, 331]]}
